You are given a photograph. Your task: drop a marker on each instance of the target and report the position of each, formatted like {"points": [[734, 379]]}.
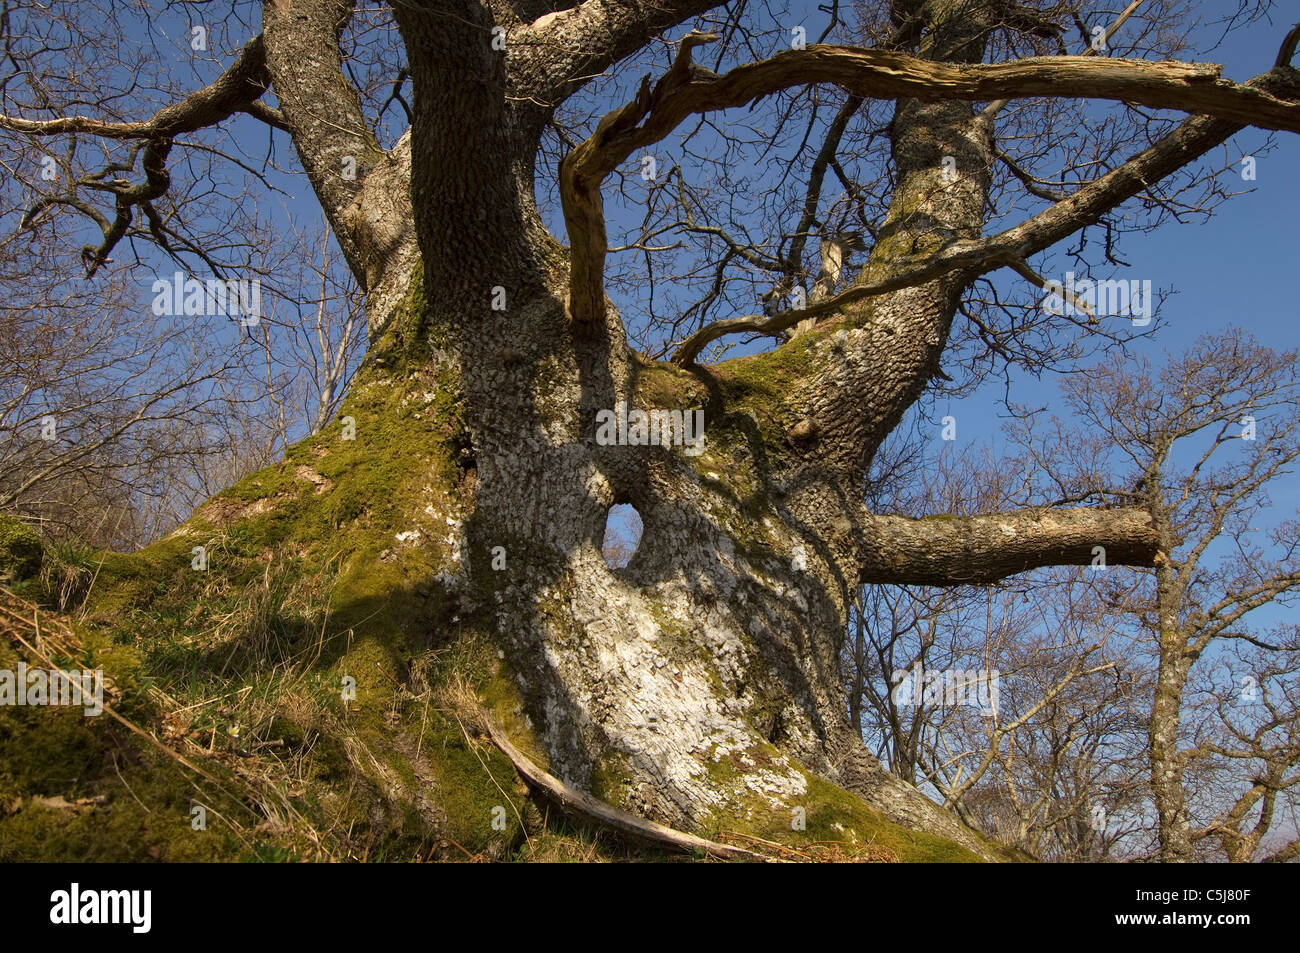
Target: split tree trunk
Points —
{"points": [[701, 683]]}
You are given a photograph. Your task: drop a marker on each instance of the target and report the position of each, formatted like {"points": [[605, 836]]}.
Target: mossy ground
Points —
{"points": [[830, 823], [20, 549]]}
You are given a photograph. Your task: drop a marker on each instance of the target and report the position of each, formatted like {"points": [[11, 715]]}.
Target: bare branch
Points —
{"points": [[234, 91], [657, 110]]}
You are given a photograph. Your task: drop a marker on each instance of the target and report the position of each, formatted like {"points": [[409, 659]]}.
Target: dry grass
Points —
{"points": [[264, 784]]}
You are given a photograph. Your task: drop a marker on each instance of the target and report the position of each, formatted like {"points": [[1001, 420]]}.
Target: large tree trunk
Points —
{"points": [[1166, 760], [701, 685]]}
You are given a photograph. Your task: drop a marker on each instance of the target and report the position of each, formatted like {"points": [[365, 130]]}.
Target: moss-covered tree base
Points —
{"points": [[309, 679]]}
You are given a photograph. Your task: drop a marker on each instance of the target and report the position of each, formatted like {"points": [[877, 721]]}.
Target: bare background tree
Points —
{"points": [[1200, 442], [1144, 712]]}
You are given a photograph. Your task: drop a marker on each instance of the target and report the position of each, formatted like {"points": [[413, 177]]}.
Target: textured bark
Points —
{"points": [[1167, 765], [558, 52], [320, 106], [949, 551]]}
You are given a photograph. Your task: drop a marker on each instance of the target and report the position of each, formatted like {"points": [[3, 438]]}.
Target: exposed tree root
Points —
{"points": [[606, 815]]}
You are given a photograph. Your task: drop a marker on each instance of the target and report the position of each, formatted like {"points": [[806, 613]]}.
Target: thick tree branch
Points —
{"points": [[473, 158], [321, 107], [241, 85], [656, 111], [956, 550], [560, 52], [992, 109]]}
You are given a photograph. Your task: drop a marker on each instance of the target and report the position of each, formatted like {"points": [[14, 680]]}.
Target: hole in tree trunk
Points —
{"points": [[622, 535]]}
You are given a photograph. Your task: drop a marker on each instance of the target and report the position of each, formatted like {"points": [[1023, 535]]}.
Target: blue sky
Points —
{"points": [[1236, 269]]}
